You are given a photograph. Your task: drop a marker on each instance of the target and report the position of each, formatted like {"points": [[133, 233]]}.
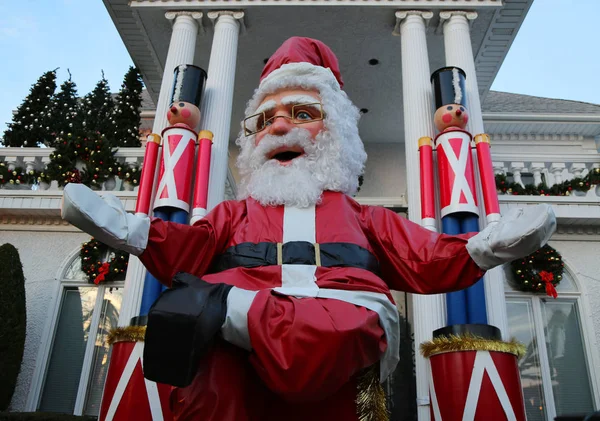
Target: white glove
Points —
{"points": [[518, 233], [105, 219]]}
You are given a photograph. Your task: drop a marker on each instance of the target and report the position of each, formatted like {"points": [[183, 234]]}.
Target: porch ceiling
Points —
{"points": [[356, 33]]}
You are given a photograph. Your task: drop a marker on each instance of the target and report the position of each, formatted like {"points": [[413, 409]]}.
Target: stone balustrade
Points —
{"points": [[36, 160], [553, 172]]}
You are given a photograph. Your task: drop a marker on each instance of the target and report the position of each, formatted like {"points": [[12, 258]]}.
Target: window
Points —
{"points": [[555, 372], [79, 354]]}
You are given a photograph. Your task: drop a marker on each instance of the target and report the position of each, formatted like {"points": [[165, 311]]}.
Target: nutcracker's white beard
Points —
{"points": [[300, 183]]}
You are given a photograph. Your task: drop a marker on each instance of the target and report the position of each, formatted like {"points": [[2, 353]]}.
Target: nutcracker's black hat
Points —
{"points": [[188, 83], [449, 86]]}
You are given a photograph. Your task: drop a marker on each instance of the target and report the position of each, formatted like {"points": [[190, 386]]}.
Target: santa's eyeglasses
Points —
{"points": [[301, 114]]}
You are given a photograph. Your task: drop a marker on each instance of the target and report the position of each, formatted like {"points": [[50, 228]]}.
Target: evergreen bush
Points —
{"points": [[13, 321]]}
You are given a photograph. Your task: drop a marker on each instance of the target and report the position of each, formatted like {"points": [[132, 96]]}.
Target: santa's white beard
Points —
{"points": [[301, 182]]}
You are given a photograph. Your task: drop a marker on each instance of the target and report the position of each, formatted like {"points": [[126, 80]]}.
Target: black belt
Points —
{"points": [[250, 255]]}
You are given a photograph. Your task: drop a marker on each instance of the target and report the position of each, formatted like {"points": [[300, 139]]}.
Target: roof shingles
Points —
{"points": [[504, 102]]}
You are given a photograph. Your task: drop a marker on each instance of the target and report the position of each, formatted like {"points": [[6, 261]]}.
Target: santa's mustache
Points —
{"points": [[297, 137]]}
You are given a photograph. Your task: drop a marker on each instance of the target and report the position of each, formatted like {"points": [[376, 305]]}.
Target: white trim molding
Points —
{"points": [[413, 4]]}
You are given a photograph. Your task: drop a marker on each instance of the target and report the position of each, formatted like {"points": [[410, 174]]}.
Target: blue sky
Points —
{"points": [[554, 55]]}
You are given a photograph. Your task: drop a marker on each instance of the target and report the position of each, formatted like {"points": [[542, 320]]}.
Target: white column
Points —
{"points": [[218, 98], [459, 52], [181, 51], [429, 310]]}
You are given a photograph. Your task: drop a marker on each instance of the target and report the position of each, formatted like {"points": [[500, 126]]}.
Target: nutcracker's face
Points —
{"points": [[184, 113], [451, 116]]}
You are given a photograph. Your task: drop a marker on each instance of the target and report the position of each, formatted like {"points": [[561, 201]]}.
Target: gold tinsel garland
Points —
{"points": [[370, 399], [454, 343], [127, 334]]}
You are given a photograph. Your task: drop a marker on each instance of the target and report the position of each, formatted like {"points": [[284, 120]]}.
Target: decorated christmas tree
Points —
{"points": [[87, 159], [62, 165], [97, 108], [30, 126], [66, 112], [126, 115], [99, 159]]}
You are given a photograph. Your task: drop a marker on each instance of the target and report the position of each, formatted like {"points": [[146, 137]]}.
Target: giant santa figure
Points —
{"points": [[294, 302]]}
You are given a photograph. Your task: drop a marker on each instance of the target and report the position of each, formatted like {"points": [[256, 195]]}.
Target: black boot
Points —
{"points": [[182, 324]]}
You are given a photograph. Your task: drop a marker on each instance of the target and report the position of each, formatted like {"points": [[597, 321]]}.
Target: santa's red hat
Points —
{"points": [[302, 56], [299, 63]]}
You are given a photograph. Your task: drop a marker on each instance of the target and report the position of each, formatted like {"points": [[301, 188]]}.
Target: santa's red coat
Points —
{"points": [[306, 352]]}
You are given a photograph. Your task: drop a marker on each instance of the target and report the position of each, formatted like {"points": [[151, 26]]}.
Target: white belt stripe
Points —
{"points": [[299, 225]]}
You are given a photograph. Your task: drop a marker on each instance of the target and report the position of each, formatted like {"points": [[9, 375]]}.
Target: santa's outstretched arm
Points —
{"points": [[417, 260], [165, 248]]}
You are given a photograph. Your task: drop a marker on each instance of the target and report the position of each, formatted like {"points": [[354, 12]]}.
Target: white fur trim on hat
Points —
{"points": [[299, 70], [301, 75]]}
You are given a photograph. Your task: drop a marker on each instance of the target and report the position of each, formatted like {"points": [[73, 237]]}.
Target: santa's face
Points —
{"points": [[185, 113], [300, 153], [285, 111], [289, 163]]}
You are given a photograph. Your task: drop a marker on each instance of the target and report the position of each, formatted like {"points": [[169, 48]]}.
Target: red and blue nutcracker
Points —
{"points": [[176, 170], [458, 198], [467, 347]]}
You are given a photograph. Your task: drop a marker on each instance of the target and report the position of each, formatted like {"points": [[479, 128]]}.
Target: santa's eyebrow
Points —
{"points": [[287, 100], [298, 99], [266, 106]]}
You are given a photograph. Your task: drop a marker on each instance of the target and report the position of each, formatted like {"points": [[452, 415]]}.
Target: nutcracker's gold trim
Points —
{"points": [[454, 343], [153, 137], [127, 334], [206, 134], [425, 141], [370, 397], [279, 254], [482, 138], [317, 254]]}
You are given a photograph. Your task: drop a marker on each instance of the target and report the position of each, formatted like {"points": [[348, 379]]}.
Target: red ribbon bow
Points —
{"points": [[548, 277], [102, 272]]}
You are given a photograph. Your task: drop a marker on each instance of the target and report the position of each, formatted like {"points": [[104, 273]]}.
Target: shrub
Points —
{"points": [[12, 327]]}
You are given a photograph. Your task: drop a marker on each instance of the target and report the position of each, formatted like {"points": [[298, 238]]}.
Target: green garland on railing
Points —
{"points": [[128, 173], [582, 184], [20, 177]]}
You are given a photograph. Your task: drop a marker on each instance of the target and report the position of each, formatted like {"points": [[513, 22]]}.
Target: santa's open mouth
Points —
{"points": [[286, 154]]}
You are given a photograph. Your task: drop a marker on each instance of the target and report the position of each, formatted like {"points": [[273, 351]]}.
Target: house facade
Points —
{"points": [[387, 51]]}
